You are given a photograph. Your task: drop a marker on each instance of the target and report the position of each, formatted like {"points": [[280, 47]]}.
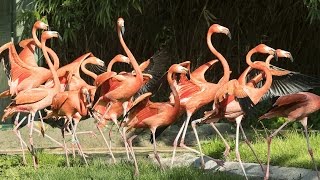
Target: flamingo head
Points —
{"points": [[49, 34], [122, 58], [41, 25], [85, 95], [262, 48], [177, 68], [285, 54], [120, 24], [216, 28], [99, 62]]}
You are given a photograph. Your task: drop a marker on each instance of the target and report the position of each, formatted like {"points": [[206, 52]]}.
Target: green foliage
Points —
{"points": [[99, 169], [287, 149], [314, 11]]}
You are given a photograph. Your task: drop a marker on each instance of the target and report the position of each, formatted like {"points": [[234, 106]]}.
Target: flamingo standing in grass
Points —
{"points": [[230, 108], [197, 92], [294, 107], [35, 99], [146, 114], [69, 103]]}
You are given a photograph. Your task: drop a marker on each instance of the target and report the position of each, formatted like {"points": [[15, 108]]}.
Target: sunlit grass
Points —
{"points": [[287, 149], [53, 167]]}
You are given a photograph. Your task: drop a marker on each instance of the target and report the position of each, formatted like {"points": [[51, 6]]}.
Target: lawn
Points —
{"points": [[53, 167], [288, 149]]}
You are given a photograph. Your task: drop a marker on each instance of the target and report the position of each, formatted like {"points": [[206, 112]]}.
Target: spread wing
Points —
{"points": [[290, 82]]}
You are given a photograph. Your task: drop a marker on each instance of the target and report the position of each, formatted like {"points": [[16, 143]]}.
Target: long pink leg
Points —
{"points": [[227, 150], [269, 144], [250, 146], [42, 124], [65, 146], [153, 130], [189, 114], [304, 123], [34, 158], [238, 121], [193, 125], [105, 140], [114, 119], [18, 134], [175, 143], [136, 172], [77, 141]]}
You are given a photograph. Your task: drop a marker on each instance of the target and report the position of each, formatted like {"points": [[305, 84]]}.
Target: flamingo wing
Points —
{"points": [[103, 77], [198, 74], [59, 99], [289, 82], [30, 96]]}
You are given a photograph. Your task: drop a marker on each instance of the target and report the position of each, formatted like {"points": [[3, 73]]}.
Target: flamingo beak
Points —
{"points": [[59, 37], [122, 30], [227, 32], [88, 100], [275, 55]]}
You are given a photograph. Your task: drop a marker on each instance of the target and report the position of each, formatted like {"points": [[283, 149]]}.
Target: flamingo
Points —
{"points": [[294, 107], [21, 64], [197, 92], [118, 86], [69, 103], [230, 108], [146, 114], [32, 100]]}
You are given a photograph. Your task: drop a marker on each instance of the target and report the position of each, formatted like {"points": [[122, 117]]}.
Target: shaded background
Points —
{"points": [[89, 26]]}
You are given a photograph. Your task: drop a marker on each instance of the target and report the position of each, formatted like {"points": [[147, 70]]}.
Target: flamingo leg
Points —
{"points": [[227, 150], [42, 124], [269, 144], [34, 158], [114, 119], [75, 137], [105, 140], [304, 123], [65, 146], [185, 128], [125, 106], [18, 134], [175, 143], [153, 130], [193, 125], [238, 121], [136, 172], [250, 146]]}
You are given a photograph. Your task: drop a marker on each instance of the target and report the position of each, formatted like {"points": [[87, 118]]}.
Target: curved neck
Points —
{"points": [[85, 70], [225, 65], [35, 37], [111, 63], [176, 105], [131, 57], [269, 58], [55, 58], [51, 67], [262, 67]]}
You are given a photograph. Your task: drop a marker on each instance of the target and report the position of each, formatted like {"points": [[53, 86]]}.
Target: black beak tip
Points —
{"points": [[229, 36], [275, 56], [122, 30]]}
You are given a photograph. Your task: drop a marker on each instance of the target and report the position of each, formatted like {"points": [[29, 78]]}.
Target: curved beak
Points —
{"points": [[88, 100], [227, 32], [122, 30], [100, 62], [59, 37], [275, 55]]}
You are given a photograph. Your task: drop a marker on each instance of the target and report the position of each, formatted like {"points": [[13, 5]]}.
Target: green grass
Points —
{"points": [[287, 149], [53, 167]]}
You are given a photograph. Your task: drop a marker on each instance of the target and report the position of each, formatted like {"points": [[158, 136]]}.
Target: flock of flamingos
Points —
{"points": [[65, 95]]}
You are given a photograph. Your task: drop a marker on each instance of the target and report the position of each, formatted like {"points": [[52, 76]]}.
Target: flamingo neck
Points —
{"points": [[51, 67], [176, 105], [133, 61], [85, 70], [226, 70], [262, 67], [55, 58], [35, 37], [111, 63]]}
